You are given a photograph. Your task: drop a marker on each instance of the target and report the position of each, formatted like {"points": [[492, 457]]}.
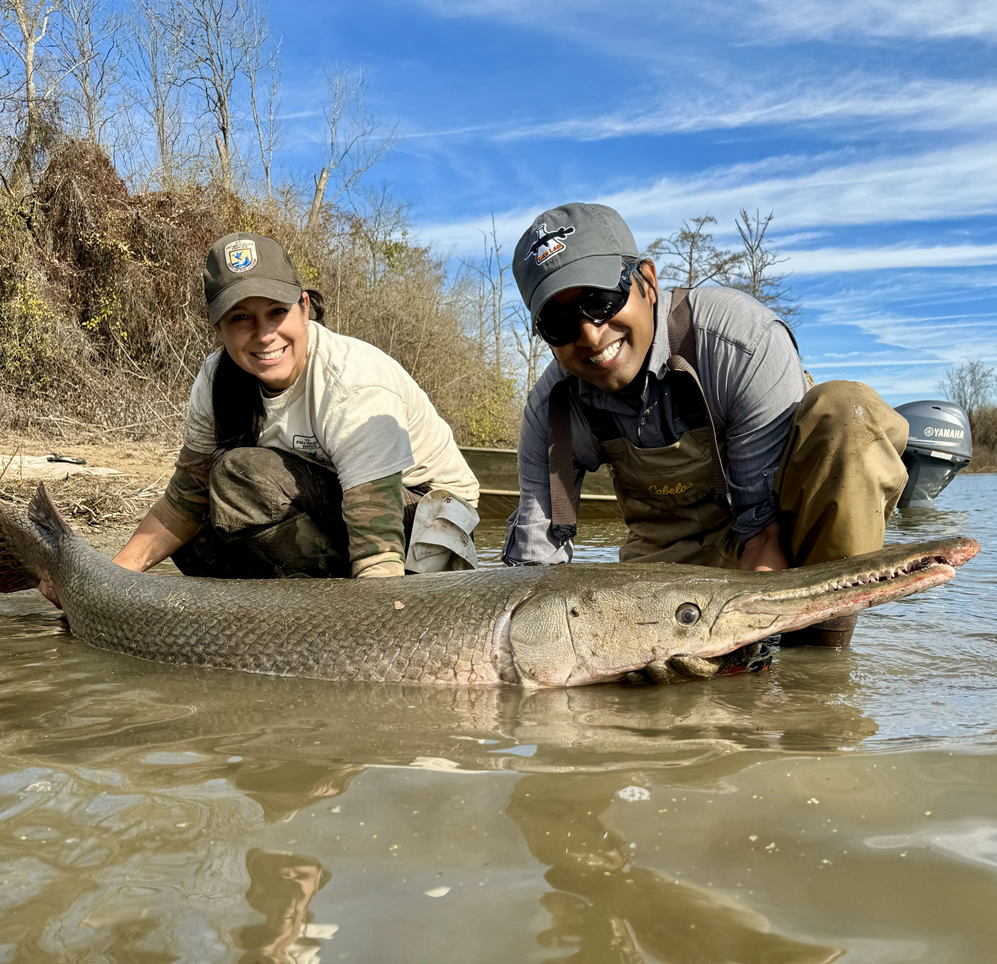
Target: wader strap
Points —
{"points": [[682, 342], [561, 462], [681, 337], [677, 364]]}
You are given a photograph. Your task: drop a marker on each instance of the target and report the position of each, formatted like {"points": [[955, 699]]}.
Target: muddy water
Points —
{"points": [[839, 807]]}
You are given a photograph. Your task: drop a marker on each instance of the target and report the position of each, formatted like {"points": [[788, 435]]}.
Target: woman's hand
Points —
{"points": [[46, 588]]}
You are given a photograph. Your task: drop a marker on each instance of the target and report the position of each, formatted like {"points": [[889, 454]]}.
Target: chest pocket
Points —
{"points": [[662, 478]]}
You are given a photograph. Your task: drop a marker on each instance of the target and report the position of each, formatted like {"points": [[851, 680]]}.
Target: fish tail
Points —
{"points": [[44, 514], [29, 542]]}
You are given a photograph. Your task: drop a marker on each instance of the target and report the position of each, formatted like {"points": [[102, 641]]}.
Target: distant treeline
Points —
{"points": [[973, 385]]}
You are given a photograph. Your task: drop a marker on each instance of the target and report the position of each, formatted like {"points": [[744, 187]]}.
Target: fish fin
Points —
{"points": [[14, 574], [43, 513]]}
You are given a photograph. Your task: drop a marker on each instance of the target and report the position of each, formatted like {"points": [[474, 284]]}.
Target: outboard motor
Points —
{"points": [[939, 444]]}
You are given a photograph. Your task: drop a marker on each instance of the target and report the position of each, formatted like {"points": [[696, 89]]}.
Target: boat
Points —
{"points": [[497, 472], [939, 445]]}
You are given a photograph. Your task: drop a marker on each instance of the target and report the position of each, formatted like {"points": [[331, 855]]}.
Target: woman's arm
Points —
{"points": [[150, 544], [375, 520]]}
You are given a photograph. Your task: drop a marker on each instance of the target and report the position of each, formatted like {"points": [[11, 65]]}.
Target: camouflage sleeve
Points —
{"points": [[374, 517], [183, 508]]}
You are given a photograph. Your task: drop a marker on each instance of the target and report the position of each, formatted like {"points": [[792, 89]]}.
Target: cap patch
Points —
{"points": [[241, 256], [548, 243]]}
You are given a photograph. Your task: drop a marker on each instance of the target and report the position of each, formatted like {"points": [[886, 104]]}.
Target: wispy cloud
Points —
{"points": [[804, 193], [928, 105], [851, 19], [832, 260]]}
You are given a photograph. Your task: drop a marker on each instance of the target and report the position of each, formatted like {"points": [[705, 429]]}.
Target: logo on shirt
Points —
{"points": [[240, 256], [310, 446], [548, 243]]}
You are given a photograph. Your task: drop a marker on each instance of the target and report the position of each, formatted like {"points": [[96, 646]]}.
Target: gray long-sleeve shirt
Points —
{"points": [[753, 380]]}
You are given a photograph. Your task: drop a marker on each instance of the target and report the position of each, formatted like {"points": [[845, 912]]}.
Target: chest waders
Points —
{"points": [[675, 499]]}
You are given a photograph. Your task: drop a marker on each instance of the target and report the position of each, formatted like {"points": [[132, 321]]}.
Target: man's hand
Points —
{"points": [[764, 551]]}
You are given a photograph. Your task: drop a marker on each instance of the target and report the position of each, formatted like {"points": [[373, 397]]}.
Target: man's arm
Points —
{"points": [[764, 551], [529, 539]]}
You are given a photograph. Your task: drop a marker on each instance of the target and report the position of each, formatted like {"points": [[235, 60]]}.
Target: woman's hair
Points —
{"points": [[236, 399]]}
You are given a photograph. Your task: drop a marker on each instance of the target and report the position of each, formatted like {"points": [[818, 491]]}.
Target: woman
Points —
{"points": [[305, 452]]}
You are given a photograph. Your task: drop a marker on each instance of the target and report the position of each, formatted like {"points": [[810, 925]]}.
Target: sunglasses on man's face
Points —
{"points": [[560, 324]]}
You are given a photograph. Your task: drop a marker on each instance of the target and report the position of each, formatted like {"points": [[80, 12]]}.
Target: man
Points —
{"points": [[721, 453]]}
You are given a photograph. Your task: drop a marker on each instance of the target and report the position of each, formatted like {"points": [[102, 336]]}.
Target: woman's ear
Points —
{"points": [[306, 303]]}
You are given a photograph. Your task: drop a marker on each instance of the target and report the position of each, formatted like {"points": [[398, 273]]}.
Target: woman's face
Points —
{"points": [[268, 339]]}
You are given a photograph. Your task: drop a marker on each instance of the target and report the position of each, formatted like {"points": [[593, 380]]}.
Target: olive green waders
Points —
{"points": [[274, 514]]}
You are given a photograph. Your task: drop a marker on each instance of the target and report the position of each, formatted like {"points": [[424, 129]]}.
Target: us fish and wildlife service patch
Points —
{"points": [[241, 255]]}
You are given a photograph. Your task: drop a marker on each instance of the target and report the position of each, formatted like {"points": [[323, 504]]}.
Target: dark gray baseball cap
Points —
{"points": [[575, 245], [245, 265]]}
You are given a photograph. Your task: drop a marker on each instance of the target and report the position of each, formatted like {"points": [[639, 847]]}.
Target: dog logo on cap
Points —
{"points": [[548, 243], [241, 256]]}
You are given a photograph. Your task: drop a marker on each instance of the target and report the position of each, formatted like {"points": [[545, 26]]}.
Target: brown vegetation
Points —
{"points": [[103, 323]]}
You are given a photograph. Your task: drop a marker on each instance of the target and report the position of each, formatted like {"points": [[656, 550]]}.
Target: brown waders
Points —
{"points": [[273, 514], [839, 479]]}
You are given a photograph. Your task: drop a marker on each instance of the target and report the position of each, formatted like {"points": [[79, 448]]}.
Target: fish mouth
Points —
{"points": [[801, 597]]}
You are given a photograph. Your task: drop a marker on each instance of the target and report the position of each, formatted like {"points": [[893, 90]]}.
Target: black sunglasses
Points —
{"points": [[560, 324]]}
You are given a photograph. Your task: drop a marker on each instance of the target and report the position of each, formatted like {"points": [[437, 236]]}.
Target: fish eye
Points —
{"points": [[687, 614]]}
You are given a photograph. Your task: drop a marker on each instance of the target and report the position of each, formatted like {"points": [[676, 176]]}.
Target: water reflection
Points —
{"points": [[281, 888], [612, 910]]}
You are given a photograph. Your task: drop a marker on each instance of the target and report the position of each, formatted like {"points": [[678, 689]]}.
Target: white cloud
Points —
{"points": [[927, 105], [850, 19], [804, 192], [832, 260]]}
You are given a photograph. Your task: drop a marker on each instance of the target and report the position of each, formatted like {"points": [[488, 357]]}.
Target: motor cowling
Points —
{"points": [[939, 445]]}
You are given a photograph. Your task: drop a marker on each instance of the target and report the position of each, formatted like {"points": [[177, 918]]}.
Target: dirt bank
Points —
{"points": [[104, 508]]}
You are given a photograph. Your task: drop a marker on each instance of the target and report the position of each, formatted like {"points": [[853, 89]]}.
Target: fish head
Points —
{"points": [[588, 626], [602, 633]]}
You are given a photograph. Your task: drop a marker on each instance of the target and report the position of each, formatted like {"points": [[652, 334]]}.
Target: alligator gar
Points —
{"points": [[564, 625]]}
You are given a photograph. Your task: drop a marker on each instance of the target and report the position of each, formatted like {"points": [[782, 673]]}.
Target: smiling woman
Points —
{"points": [[306, 453]]}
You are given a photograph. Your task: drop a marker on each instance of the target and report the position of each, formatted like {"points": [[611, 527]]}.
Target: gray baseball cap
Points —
{"points": [[575, 245], [245, 265]]}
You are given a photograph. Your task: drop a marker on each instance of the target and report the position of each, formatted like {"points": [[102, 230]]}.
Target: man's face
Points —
{"points": [[609, 356]]}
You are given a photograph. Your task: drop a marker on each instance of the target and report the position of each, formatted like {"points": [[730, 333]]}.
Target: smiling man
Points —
{"points": [[721, 453]]}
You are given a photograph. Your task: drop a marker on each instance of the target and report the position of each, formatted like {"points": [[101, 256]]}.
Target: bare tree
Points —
{"points": [[530, 346], [972, 385], [89, 54], [753, 271], [25, 25], [214, 35], [154, 56], [493, 278], [693, 258], [353, 147], [264, 90]]}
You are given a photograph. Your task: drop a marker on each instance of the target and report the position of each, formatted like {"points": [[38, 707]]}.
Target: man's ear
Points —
{"points": [[650, 275]]}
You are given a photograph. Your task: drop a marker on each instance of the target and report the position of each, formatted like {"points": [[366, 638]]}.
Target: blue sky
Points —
{"points": [[869, 127]]}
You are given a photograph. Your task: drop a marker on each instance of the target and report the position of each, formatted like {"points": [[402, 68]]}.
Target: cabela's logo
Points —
{"points": [[548, 243], [676, 489], [241, 256]]}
